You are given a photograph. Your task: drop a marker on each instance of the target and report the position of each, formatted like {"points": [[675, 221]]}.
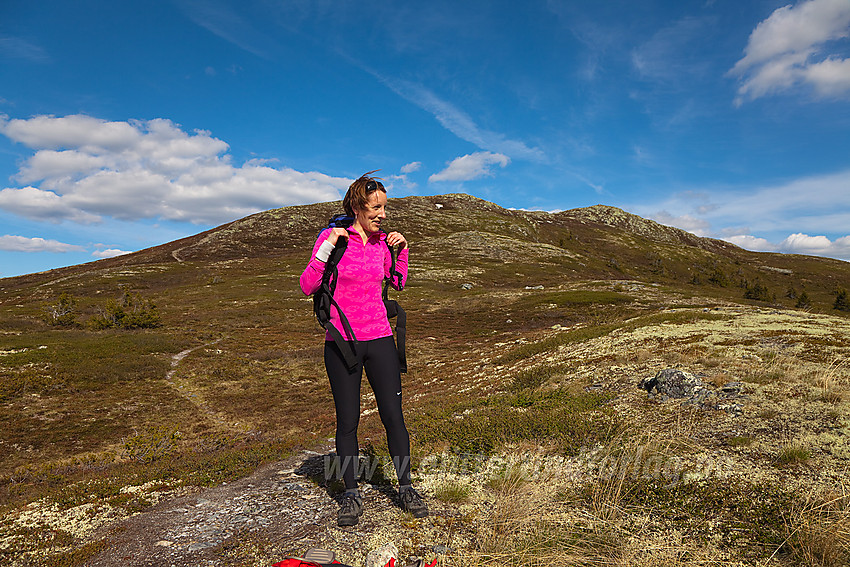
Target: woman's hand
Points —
{"points": [[394, 238], [335, 234]]}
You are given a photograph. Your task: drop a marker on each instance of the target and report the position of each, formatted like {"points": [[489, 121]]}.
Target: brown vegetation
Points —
{"points": [[101, 423]]}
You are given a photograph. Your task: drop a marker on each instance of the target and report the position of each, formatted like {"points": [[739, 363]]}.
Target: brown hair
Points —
{"points": [[358, 193]]}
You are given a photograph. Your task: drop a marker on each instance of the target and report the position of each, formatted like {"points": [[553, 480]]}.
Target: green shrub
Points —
{"points": [[533, 378], [793, 453], [563, 421], [63, 313], [153, 444], [130, 311]]}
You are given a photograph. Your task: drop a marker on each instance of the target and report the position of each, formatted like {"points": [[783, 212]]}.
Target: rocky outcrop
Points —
{"points": [[672, 383]]}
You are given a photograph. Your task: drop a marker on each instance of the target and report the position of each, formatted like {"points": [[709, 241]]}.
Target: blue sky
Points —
{"points": [[124, 125]]}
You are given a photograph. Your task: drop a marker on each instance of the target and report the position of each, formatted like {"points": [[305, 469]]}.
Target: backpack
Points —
{"points": [[323, 558], [323, 299]]}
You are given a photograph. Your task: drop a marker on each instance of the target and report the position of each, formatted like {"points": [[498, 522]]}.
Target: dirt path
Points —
{"points": [[279, 511], [279, 503]]}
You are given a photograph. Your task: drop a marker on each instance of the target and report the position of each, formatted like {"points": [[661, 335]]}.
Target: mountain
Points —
{"points": [[131, 386], [598, 242]]}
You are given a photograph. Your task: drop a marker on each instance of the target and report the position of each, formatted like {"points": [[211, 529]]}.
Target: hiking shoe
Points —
{"points": [[350, 510], [413, 503]]}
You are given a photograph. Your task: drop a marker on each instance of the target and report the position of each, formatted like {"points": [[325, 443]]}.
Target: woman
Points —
{"points": [[361, 271]]}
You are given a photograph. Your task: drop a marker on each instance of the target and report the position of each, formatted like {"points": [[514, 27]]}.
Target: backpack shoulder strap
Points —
{"points": [[323, 299], [395, 310]]}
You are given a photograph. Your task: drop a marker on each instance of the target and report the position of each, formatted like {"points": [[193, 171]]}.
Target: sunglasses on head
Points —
{"points": [[373, 185]]}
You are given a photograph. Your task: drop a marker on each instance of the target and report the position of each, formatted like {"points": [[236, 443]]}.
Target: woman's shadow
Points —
{"points": [[325, 471]]}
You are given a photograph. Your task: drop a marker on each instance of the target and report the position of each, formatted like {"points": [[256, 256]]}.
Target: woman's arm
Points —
{"points": [[311, 278]]}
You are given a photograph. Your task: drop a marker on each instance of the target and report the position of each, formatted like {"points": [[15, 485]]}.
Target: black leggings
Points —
{"points": [[380, 359]]}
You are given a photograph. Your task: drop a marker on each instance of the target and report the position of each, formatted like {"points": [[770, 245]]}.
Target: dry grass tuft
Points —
{"points": [[453, 492], [793, 453], [619, 466], [550, 522], [818, 530], [525, 526], [830, 381]]}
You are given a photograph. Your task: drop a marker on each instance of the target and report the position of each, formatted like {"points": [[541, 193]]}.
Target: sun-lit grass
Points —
{"points": [[595, 331], [453, 492], [564, 422], [793, 453], [818, 529], [740, 441]]}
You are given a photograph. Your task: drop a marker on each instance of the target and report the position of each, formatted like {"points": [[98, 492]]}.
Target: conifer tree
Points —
{"points": [[842, 302]]}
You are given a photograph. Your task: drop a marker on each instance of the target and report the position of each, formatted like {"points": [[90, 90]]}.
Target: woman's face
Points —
{"points": [[374, 213]]}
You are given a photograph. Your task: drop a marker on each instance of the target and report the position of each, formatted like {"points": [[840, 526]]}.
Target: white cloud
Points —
{"points": [[752, 243], [814, 204], [411, 167], [85, 168], [42, 205], [109, 253], [805, 244], [830, 77], [470, 166], [23, 244], [670, 55], [405, 170], [798, 243], [790, 48], [229, 25], [84, 132], [692, 224], [817, 203]]}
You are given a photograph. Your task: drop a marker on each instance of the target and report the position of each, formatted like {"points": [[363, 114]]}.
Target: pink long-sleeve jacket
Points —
{"points": [[362, 270]]}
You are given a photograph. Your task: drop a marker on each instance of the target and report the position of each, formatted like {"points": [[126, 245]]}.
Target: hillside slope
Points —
{"points": [[528, 333]]}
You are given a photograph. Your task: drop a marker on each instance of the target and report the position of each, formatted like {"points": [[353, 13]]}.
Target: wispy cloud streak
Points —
{"points": [[461, 124]]}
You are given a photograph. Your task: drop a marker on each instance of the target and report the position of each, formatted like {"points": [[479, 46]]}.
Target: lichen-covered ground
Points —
{"points": [[755, 478]]}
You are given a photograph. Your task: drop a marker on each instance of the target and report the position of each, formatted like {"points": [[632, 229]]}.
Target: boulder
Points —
{"points": [[675, 383], [672, 383]]}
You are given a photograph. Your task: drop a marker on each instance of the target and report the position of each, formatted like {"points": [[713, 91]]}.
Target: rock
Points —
{"points": [[675, 383], [381, 556], [731, 408]]}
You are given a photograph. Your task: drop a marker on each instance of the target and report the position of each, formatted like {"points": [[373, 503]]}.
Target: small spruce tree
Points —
{"points": [[758, 291], [842, 302]]}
